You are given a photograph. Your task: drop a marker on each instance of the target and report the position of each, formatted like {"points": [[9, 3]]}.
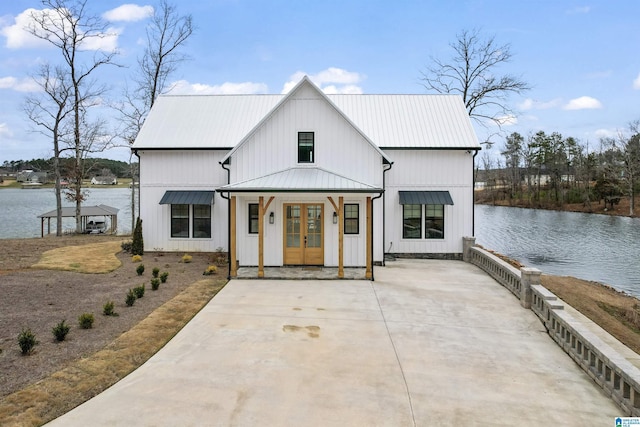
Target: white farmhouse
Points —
{"points": [[308, 178]]}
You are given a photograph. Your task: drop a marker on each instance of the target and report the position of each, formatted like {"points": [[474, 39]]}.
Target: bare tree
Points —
{"points": [[629, 148], [472, 73], [49, 111], [167, 32], [68, 26]]}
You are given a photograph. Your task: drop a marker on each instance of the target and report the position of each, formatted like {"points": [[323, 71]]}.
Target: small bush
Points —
{"points": [[85, 320], [139, 291], [155, 271], [212, 269], [126, 246], [186, 258], [27, 341], [155, 284], [163, 277], [140, 269], [131, 298], [136, 258], [60, 331], [108, 309]]}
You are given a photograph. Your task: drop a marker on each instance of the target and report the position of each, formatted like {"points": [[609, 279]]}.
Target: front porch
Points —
{"points": [[303, 273]]}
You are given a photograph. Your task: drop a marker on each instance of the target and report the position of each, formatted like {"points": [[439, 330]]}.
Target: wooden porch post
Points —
{"points": [[340, 238], [261, 237], [232, 243], [369, 272]]}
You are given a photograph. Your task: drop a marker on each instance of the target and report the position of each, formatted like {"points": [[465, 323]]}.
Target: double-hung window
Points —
{"points": [[351, 219], [434, 221], [305, 147], [191, 220], [411, 221]]}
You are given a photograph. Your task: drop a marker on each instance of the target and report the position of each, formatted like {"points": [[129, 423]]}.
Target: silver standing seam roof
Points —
{"points": [[389, 121]]}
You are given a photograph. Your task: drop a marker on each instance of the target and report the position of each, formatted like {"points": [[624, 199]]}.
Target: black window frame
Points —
{"points": [[306, 154], [250, 217], [201, 223], [416, 220], [180, 223], [434, 222], [350, 220]]}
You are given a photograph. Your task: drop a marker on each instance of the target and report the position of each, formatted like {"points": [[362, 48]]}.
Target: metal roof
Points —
{"points": [[425, 198], [100, 210], [303, 179], [187, 198], [389, 121]]}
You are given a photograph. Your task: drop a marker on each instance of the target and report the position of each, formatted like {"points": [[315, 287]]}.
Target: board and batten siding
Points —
{"points": [[430, 170], [339, 147], [191, 170]]}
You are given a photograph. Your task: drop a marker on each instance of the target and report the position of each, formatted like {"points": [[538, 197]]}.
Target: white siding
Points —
{"points": [[161, 171], [430, 170]]}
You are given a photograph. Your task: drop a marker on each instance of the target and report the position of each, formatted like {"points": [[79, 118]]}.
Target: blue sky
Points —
{"points": [[582, 58]]}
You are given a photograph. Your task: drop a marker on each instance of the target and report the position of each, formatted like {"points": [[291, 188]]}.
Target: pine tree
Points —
{"points": [[137, 246]]}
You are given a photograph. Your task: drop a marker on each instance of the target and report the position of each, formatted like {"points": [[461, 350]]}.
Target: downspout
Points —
{"points": [[373, 278], [384, 211], [473, 195], [228, 219]]}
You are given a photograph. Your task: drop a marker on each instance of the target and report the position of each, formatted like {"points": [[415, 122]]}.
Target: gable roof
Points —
{"points": [[387, 121], [304, 82]]}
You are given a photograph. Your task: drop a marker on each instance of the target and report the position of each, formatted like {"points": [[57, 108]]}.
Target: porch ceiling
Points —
{"points": [[302, 180]]}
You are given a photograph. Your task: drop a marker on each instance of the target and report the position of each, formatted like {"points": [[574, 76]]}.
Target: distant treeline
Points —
{"points": [[93, 166]]}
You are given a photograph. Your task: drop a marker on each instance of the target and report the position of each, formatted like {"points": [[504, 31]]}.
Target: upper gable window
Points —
{"points": [[305, 147]]}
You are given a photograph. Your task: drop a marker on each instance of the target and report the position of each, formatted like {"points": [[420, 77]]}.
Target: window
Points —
{"points": [[253, 218], [179, 220], [202, 221], [434, 221], [305, 147], [411, 221], [351, 219]]}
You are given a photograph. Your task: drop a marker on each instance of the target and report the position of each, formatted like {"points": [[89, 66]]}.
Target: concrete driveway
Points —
{"points": [[428, 343]]}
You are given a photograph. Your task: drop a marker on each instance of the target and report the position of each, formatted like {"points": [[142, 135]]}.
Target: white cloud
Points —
{"points": [[636, 82], [19, 85], [183, 87], [606, 133], [128, 13], [332, 80], [531, 104], [5, 131], [19, 38], [583, 103], [508, 120], [579, 10]]}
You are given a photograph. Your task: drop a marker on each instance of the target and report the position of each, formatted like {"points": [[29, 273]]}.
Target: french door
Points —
{"points": [[303, 234]]}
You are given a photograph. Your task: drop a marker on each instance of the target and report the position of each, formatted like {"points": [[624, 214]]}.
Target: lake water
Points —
{"points": [[19, 209], [593, 247]]}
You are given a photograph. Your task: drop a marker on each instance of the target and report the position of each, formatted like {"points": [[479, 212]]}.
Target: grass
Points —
{"points": [[91, 258], [64, 390]]}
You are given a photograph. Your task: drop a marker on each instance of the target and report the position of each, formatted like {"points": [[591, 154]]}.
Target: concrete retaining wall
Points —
{"points": [[608, 368]]}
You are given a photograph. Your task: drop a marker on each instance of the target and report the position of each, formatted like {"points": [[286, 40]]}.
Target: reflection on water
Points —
{"points": [[19, 209], [593, 247]]}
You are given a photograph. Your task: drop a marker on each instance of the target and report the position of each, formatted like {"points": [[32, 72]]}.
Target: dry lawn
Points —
{"points": [[94, 258]]}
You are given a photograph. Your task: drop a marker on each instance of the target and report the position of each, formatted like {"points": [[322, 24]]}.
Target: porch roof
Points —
{"points": [[100, 210], [301, 180]]}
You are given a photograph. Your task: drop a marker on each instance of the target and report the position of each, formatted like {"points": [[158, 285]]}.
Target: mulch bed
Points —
{"points": [[39, 299]]}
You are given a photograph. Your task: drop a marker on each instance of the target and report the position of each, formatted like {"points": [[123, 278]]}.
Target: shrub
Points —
{"points": [[131, 298], [126, 246], [85, 320], [60, 331], [212, 269], [27, 341], [155, 271], [136, 258], [155, 284], [139, 291], [140, 269], [163, 277], [108, 309], [186, 258], [137, 245]]}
